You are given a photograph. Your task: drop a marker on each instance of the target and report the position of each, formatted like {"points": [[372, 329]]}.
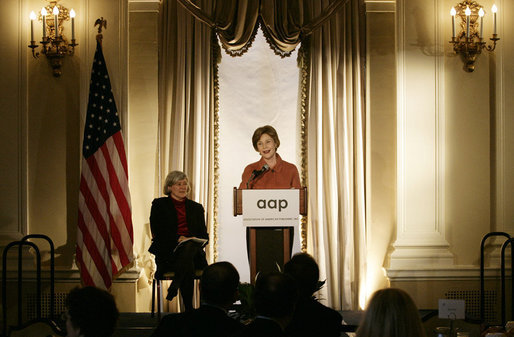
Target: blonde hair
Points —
{"points": [[391, 313], [172, 178]]}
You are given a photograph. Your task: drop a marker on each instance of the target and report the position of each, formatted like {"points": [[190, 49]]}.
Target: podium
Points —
{"points": [[270, 216]]}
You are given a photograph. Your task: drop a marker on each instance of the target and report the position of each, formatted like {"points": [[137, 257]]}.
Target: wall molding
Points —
{"points": [[421, 230], [501, 221], [19, 215], [456, 273], [380, 6], [149, 6]]}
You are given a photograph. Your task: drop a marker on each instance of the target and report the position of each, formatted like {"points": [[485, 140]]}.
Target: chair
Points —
{"points": [[169, 276]]}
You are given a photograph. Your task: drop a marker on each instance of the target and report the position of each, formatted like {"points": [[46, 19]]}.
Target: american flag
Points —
{"points": [[104, 236]]}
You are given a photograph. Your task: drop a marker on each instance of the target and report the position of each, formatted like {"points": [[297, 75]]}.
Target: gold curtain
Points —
{"points": [[332, 96], [336, 152], [187, 115]]}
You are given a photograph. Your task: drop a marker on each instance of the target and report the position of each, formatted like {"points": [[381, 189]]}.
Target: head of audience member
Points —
{"points": [[275, 296], [219, 284], [305, 271], [91, 312], [391, 313]]}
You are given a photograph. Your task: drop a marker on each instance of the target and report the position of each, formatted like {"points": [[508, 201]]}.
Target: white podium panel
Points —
{"points": [[271, 208]]}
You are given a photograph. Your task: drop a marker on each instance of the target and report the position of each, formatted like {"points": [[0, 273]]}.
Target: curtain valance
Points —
{"points": [[284, 22]]}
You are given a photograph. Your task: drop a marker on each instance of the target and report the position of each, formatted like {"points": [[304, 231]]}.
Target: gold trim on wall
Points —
{"points": [[216, 59], [303, 62]]}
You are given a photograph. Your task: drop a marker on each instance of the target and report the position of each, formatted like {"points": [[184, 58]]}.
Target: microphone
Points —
{"points": [[257, 173]]}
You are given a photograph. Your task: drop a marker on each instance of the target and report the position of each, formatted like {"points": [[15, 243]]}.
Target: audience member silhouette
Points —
{"points": [[218, 289], [391, 313], [310, 318], [91, 312], [275, 297]]}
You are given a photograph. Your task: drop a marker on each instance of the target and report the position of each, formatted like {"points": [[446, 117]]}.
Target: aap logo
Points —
{"points": [[272, 204]]}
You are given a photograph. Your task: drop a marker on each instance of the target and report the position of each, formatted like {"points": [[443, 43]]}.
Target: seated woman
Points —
{"points": [[391, 313], [173, 220]]}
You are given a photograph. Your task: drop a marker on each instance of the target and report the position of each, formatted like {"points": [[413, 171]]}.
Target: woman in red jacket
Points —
{"points": [[270, 171]]}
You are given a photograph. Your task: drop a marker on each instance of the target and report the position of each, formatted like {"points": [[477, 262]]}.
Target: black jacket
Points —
{"points": [[261, 327], [313, 319], [206, 321], [164, 224]]}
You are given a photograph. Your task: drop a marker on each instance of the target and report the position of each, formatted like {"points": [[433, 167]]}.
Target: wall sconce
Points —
{"points": [[55, 44], [469, 41]]}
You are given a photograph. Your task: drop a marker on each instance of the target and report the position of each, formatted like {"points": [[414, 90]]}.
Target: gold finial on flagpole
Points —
{"points": [[101, 23]]}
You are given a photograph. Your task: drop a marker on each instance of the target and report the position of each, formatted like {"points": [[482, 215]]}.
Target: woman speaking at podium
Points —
{"points": [[270, 172]]}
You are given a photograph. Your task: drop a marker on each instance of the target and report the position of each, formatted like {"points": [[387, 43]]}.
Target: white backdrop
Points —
{"points": [[256, 89]]}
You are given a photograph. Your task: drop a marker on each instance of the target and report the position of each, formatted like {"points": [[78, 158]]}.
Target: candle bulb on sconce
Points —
{"points": [[32, 17], [54, 44], [468, 42], [43, 16], [72, 16], [481, 15], [494, 9], [452, 13], [468, 14], [55, 12]]}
